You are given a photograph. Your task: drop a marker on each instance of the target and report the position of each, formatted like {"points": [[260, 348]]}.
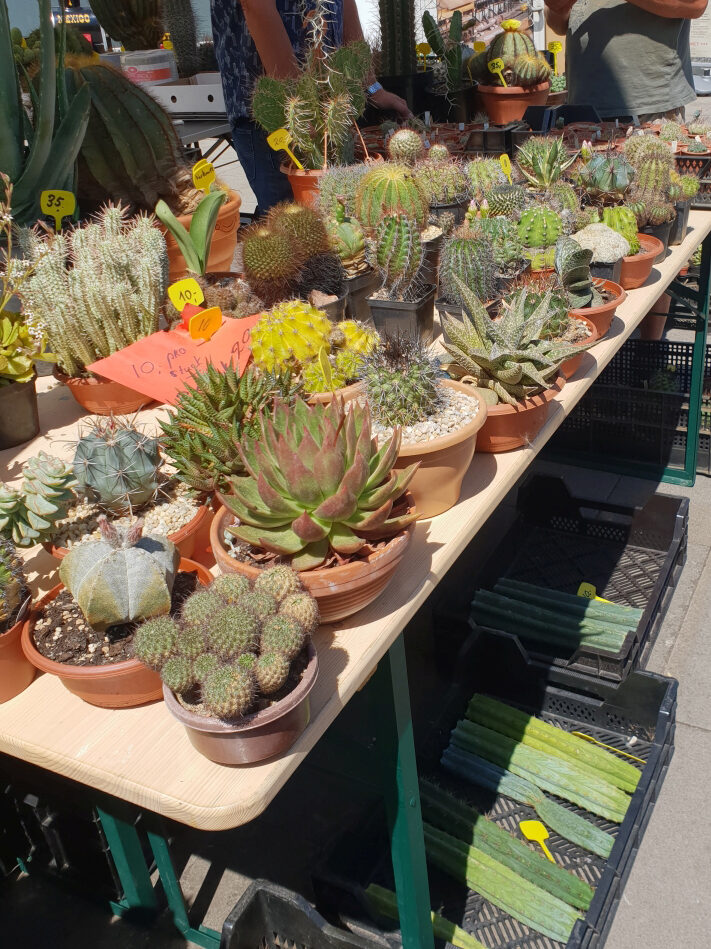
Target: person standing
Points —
{"points": [[269, 36]]}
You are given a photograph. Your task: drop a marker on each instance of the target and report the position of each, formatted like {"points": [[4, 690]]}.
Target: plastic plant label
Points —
{"points": [[205, 324], [590, 593], [203, 174], [555, 47], [423, 49], [479, 46], [58, 204], [279, 141], [187, 290], [505, 163], [166, 42], [496, 67]]}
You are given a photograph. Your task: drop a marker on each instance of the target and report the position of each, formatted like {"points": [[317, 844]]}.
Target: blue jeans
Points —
{"points": [[260, 164]]}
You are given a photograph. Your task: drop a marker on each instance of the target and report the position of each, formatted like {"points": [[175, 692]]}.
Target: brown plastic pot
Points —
{"points": [[101, 396], [508, 426], [444, 461], [117, 685], [603, 315], [224, 240], [504, 104], [339, 591], [263, 735], [571, 366], [347, 393], [636, 268], [304, 183], [16, 671]]}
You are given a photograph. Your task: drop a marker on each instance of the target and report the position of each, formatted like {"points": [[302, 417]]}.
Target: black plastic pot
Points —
{"points": [[607, 271], [358, 289], [19, 418], [681, 225], [429, 271], [663, 233], [336, 310], [458, 209], [454, 107], [413, 319]]}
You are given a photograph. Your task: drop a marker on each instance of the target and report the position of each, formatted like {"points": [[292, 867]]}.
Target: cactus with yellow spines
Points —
{"points": [[289, 335]]}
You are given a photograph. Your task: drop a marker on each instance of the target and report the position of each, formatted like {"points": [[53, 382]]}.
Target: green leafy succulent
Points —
{"points": [[542, 161]]}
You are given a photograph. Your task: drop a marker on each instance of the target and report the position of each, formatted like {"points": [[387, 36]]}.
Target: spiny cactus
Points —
{"points": [[13, 585], [232, 631], [506, 245], [507, 201], [272, 262], [484, 174], [401, 382], [530, 70], [467, 257], [283, 635], [302, 608], [304, 226], [448, 50], [337, 188], [672, 132], [177, 672], [179, 21], [228, 692], [683, 187], [564, 197], [641, 148], [508, 45], [271, 670], [406, 147], [28, 514], [538, 230], [200, 608], [624, 222], [154, 641], [542, 160], [279, 582], [135, 23], [387, 190], [397, 35], [121, 578], [444, 181], [234, 296], [438, 152], [606, 177], [660, 213], [231, 586], [398, 255]]}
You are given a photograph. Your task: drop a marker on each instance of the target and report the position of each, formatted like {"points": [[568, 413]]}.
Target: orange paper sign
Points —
{"points": [[160, 365]]}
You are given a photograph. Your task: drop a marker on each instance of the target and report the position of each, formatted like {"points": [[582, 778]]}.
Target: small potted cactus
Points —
{"points": [[439, 418], [237, 664], [538, 229], [16, 672], [682, 192], [332, 508], [82, 631], [360, 280], [650, 195], [467, 258], [445, 182]]}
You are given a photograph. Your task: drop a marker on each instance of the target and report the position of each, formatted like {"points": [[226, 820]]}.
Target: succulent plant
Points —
{"points": [[390, 190], [683, 187], [401, 382], [279, 582], [200, 608], [232, 295], [543, 160], [228, 692], [531, 69], [607, 245], [438, 152], [348, 241], [302, 608], [507, 201], [447, 49], [154, 641], [337, 188], [304, 226], [13, 585], [606, 177], [538, 231], [323, 273], [398, 254], [397, 37], [194, 243], [289, 335], [672, 132], [484, 174], [505, 242], [178, 19], [122, 578], [214, 413], [564, 196], [271, 670], [272, 262], [623, 221], [231, 586], [444, 181], [508, 355], [641, 148], [406, 147], [28, 514], [234, 629], [508, 45], [317, 483], [572, 264], [467, 257], [135, 23]]}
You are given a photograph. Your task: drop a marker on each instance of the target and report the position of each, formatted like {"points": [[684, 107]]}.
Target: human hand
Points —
{"points": [[389, 102]]}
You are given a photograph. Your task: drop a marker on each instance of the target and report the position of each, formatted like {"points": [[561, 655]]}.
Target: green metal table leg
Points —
{"points": [[698, 364], [124, 843], [402, 797]]}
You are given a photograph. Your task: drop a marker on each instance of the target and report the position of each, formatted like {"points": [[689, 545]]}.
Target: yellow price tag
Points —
{"points": [[497, 66], [479, 46], [58, 204], [590, 593], [204, 325], [423, 49], [279, 141], [203, 174], [555, 47], [505, 163], [184, 291], [166, 42]]}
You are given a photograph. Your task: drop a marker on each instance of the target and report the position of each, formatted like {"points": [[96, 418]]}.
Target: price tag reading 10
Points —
{"points": [[497, 66], [185, 291], [58, 204]]}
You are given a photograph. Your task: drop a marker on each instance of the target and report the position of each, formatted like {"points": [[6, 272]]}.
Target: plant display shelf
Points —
{"points": [[142, 755]]}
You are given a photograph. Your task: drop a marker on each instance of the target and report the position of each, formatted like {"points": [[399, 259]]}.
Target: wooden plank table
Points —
{"points": [[143, 755]]}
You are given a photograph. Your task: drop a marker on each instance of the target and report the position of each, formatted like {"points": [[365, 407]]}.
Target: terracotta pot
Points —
{"points": [[347, 393], [304, 183], [263, 735], [570, 366], [637, 267], [508, 426], [603, 315], [339, 591], [224, 240], [117, 685], [16, 671], [101, 396], [509, 104], [443, 462]]}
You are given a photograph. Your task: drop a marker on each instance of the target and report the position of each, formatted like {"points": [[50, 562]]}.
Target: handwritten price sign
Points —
{"points": [[58, 204], [280, 141], [203, 174], [205, 324], [185, 291]]}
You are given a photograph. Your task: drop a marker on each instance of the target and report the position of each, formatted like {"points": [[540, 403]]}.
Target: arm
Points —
{"points": [[673, 9], [270, 37], [352, 32], [557, 15]]}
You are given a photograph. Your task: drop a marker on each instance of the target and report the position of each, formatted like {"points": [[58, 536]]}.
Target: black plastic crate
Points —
{"points": [[701, 167], [638, 717]]}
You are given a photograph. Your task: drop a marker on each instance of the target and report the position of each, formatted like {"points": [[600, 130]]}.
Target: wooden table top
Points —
{"points": [[144, 756]]}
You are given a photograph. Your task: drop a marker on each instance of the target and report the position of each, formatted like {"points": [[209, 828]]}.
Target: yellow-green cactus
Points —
{"points": [[290, 335]]}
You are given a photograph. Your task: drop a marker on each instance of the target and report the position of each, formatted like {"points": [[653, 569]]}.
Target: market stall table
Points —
{"points": [[143, 755]]}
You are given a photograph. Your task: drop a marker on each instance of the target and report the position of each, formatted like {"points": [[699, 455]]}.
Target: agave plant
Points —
{"points": [[317, 484], [542, 161], [509, 355]]}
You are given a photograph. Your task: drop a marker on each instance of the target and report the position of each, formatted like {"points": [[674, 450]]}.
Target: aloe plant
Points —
{"points": [[195, 243]]}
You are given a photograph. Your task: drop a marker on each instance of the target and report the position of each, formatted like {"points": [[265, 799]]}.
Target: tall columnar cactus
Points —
{"points": [[397, 37], [116, 465], [398, 255], [390, 189], [97, 289], [28, 515], [444, 181], [624, 222], [484, 174], [606, 177], [401, 382], [123, 577], [179, 21], [467, 258], [448, 50], [543, 160], [135, 23], [290, 335], [13, 585], [406, 146]]}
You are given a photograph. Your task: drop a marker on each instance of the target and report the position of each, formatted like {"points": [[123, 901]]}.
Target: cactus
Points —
{"points": [[606, 177], [13, 585], [117, 466], [624, 222], [98, 289], [154, 641], [508, 45], [438, 152], [272, 263], [506, 201], [543, 160], [572, 264], [28, 515], [401, 382], [231, 586], [565, 197], [278, 582], [195, 243], [348, 241], [233, 630], [337, 188], [303, 608], [660, 213], [323, 273], [449, 50], [387, 190], [538, 230], [135, 23], [205, 665], [177, 673], [530, 70], [444, 181], [121, 578], [234, 296], [653, 177], [303, 226], [289, 335], [484, 174], [261, 604], [191, 643], [397, 37], [398, 255], [467, 257], [672, 132], [684, 187], [200, 608], [179, 21], [406, 147], [228, 692], [607, 245], [506, 245], [271, 670], [282, 635]]}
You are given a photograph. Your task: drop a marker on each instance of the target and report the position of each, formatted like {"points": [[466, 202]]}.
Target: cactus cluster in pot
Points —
{"points": [[523, 64], [13, 585], [443, 179], [505, 201], [28, 514], [622, 220], [401, 382], [506, 245], [234, 643], [406, 147], [650, 195]]}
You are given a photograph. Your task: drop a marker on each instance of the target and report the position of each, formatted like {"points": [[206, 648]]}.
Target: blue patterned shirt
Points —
{"points": [[237, 56]]}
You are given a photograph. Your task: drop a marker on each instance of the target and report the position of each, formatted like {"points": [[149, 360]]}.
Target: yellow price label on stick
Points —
{"points": [[424, 49], [205, 324], [505, 163], [479, 46], [496, 66], [185, 291], [589, 591], [279, 141], [203, 174], [58, 204], [555, 47]]}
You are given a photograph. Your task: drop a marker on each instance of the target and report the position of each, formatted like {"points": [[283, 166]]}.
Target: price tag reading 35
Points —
{"points": [[58, 204], [203, 174], [496, 67], [185, 291], [505, 163], [555, 47]]}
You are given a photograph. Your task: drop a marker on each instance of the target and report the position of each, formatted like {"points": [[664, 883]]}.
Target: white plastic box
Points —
{"points": [[199, 95]]}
